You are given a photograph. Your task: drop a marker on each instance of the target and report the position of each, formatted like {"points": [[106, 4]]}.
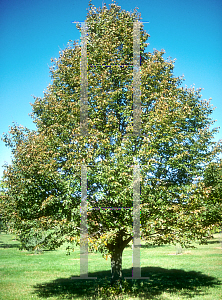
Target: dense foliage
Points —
{"points": [[42, 199]]}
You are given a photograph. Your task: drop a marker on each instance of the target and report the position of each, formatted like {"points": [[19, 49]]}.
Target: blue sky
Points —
{"points": [[33, 32]]}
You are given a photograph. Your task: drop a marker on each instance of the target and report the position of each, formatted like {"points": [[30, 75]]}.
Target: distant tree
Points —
{"points": [[213, 184], [43, 181], [2, 221]]}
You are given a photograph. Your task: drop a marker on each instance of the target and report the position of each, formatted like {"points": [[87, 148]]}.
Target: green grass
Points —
{"points": [[194, 274]]}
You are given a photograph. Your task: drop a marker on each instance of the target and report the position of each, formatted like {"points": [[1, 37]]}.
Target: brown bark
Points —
{"points": [[116, 250], [116, 265]]}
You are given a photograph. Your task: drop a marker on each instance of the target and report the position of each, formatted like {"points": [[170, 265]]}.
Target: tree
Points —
{"points": [[175, 144], [213, 185], [2, 221]]}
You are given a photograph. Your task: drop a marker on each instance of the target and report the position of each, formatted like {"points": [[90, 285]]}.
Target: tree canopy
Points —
{"points": [[175, 145], [213, 185]]}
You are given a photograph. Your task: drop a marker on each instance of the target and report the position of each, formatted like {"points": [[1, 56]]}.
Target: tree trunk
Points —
{"points": [[116, 251], [116, 265]]}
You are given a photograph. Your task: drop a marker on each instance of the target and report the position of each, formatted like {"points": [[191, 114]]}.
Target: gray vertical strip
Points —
{"points": [[83, 225], [136, 79], [136, 222], [83, 82]]}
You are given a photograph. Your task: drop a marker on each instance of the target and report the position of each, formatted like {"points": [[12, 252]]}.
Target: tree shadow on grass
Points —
{"points": [[150, 246], [3, 245], [160, 280], [214, 241]]}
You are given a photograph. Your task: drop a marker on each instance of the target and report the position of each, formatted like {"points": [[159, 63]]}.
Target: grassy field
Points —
{"points": [[193, 274]]}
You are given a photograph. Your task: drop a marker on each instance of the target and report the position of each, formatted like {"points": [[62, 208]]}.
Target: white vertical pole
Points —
{"points": [[83, 225], [83, 82], [136, 79], [136, 222]]}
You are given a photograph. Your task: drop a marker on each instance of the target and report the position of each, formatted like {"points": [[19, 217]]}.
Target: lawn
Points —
{"points": [[193, 274]]}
